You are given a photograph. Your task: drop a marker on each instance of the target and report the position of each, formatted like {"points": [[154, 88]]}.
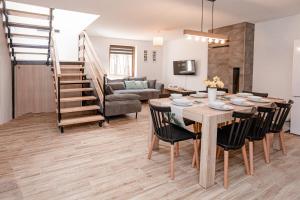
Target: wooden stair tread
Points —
{"points": [[73, 74], [29, 36], [75, 67], [76, 90], [30, 26], [71, 62], [30, 46], [80, 120], [79, 109], [75, 82], [30, 53], [20, 13], [72, 99]]}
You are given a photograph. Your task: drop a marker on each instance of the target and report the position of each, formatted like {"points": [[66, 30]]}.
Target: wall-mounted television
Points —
{"points": [[184, 67]]}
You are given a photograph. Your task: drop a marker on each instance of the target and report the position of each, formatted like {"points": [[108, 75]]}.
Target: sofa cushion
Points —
{"points": [[137, 78], [144, 93], [113, 108], [121, 97], [117, 85], [108, 90], [116, 80], [151, 84]]}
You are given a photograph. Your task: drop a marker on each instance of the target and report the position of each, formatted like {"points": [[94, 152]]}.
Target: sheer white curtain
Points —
{"points": [[120, 65]]}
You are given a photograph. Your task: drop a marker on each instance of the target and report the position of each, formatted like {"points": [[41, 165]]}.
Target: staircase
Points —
{"points": [[78, 85]]}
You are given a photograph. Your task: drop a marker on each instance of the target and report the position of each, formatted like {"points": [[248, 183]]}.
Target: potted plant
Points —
{"points": [[212, 86]]}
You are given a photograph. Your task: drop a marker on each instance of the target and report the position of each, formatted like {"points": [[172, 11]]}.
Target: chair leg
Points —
{"points": [[218, 152], [282, 142], [196, 154], [251, 157], [226, 157], [266, 150], [245, 158], [172, 163], [177, 149], [151, 147]]}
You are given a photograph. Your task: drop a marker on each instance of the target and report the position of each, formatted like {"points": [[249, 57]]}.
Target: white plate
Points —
{"points": [[259, 100], [172, 98], [184, 105], [223, 108], [244, 94], [199, 95], [245, 103]]}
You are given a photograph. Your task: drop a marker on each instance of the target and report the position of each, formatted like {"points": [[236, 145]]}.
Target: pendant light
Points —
{"points": [[211, 37], [158, 40]]}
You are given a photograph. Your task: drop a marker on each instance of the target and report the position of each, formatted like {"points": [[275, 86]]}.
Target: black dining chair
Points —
{"points": [[260, 126], [259, 94], [232, 137], [218, 89], [280, 116], [166, 131]]}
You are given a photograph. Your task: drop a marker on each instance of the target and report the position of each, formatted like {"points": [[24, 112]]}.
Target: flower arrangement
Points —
{"points": [[215, 83]]}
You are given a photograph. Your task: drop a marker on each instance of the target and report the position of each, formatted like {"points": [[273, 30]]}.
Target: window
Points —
{"points": [[121, 60]]}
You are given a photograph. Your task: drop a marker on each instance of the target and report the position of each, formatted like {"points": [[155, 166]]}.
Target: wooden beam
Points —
{"points": [[205, 34]]}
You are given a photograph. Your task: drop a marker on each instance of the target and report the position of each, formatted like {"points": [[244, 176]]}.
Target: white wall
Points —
{"points": [[182, 49], [5, 80], [150, 69], [273, 55]]}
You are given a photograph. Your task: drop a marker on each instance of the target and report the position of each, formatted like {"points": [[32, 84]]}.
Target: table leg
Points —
{"points": [[208, 152], [151, 133]]}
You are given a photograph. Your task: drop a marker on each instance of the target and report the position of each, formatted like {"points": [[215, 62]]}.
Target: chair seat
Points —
{"points": [[223, 138], [178, 134], [252, 136]]}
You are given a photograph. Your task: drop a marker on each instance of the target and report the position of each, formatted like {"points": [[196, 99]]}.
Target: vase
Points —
{"points": [[212, 94]]}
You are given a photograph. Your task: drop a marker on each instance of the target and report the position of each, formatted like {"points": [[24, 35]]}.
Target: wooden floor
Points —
{"points": [[89, 162]]}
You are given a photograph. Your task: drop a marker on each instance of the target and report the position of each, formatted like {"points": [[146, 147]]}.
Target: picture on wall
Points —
{"points": [[154, 56], [145, 55]]}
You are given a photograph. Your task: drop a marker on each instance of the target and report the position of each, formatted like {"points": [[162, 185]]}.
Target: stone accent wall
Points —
{"points": [[221, 61]]}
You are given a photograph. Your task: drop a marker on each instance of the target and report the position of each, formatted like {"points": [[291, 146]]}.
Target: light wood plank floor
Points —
{"points": [[89, 162]]}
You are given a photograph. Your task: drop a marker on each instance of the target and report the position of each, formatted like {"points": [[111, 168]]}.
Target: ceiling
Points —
{"points": [[141, 19]]}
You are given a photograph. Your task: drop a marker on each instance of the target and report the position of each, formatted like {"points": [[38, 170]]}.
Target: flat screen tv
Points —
{"points": [[184, 67]]}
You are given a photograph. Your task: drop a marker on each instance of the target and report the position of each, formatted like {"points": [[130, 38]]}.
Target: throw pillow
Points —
{"points": [[108, 90], [141, 84], [117, 86], [151, 84], [130, 85]]}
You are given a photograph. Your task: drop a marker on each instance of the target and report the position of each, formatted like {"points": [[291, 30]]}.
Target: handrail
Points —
{"points": [[56, 70], [93, 66]]}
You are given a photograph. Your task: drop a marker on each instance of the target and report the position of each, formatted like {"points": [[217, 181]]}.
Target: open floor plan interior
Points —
{"points": [[195, 99]]}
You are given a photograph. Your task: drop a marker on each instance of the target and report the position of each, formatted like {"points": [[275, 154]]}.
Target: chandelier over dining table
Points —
{"points": [[210, 37]]}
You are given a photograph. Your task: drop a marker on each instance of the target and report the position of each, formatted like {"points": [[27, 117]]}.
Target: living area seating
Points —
{"points": [[119, 104], [151, 90]]}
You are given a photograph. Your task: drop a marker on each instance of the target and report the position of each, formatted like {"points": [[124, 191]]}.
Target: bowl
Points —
{"points": [[255, 98], [216, 104], [176, 96], [221, 93], [237, 101]]}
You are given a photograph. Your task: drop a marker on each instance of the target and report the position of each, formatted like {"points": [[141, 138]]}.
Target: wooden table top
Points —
{"points": [[198, 111]]}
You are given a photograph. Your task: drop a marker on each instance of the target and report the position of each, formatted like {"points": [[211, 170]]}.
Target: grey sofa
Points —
{"points": [[119, 100], [120, 104], [152, 92]]}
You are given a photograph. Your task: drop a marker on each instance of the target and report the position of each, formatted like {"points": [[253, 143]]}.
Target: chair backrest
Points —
{"points": [[161, 118], [241, 124], [262, 122], [259, 94], [223, 89], [218, 89], [281, 114]]}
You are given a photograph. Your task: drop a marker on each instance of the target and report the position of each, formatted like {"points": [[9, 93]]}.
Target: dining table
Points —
{"points": [[210, 119]]}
